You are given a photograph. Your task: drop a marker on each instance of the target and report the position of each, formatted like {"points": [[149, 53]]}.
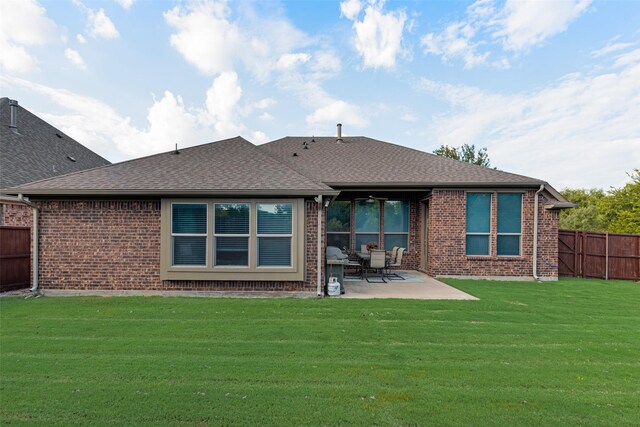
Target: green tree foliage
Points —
{"points": [[586, 215], [621, 208], [616, 211], [465, 153]]}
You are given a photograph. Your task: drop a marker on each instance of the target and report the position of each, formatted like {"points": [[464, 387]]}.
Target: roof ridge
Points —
{"points": [[442, 158]]}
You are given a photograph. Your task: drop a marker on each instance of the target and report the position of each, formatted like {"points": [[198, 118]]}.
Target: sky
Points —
{"points": [[550, 88]]}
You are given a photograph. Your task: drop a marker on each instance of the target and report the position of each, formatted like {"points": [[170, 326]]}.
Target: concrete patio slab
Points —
{"points": [[416, 286]]}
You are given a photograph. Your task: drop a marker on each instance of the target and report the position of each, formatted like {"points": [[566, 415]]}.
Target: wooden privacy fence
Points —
{"points": [[15, 257], [598, 255]]}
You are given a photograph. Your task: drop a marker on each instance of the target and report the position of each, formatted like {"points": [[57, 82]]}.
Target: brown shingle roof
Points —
{"points": [[365, 161], [231, 166], [36, 152]]}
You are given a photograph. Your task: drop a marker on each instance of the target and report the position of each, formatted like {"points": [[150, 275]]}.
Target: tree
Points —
{"points": [[621, 208], [465, 153], [586, 216]]}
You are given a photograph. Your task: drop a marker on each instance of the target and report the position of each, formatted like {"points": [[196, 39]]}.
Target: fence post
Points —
{"points": [[575, 254], [606, 256]]}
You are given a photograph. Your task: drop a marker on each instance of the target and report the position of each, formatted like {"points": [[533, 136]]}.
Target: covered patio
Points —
{"points": [[416, 285]]}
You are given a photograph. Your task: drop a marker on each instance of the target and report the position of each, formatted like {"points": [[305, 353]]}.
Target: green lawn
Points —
{"points": [[525, 354]]}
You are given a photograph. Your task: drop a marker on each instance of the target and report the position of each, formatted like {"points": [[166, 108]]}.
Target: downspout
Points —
{"points": [[319, 239], [34, 237], [535, 233]]}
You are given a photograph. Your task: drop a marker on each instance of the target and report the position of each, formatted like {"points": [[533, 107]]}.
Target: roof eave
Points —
{"points": [[169, 193]]}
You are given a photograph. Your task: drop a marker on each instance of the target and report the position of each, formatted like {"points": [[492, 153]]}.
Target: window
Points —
{"points": [[396, 224], [231, 234], [478, 223], [275, 230], [189, 234], [509, 224], [367, 222], [233, 239], [339, 224]]}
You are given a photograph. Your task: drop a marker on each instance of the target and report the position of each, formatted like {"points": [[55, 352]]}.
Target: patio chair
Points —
{"points": [[377, 262], [363, 249], [394, 253], [395, 264]]}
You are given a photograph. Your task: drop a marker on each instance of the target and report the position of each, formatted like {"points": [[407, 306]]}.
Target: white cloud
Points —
{"points": [[126, 4], [290, 60], [23, 24], [350, 9], [455, 42], [101, 26], [610, 48], [204, 36], [516, 26], [627, 58], [524, 24], [378, 36], [221, 102], [169, 121], [541, 133], [81, 39], [209, 37], [264, 103], [259, 137], [74, 57], [337, 111], [266, 117], [409, 118]]}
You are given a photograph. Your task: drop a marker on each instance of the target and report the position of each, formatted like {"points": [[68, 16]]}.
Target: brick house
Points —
{"points": [[230, 215], [32, 149]]}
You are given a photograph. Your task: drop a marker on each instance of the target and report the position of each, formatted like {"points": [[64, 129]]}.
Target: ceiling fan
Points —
{"points": [[372, 199]]}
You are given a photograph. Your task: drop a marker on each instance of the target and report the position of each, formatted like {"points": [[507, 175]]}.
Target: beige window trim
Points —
{"points": [[231, 273]]}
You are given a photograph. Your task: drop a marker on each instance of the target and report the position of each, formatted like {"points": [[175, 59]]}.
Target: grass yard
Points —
{"points": [[562, 353]]}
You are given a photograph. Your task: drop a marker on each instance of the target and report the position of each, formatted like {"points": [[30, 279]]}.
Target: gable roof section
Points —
{"points": [[362, 161], [36, 152], [231, 167]]}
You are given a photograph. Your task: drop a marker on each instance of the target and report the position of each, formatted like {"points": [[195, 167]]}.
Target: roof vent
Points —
{"points": [[295, 154], [176, 151], [339, 138], [305, 145], [58, 135], [13, 106], [73, 159]]}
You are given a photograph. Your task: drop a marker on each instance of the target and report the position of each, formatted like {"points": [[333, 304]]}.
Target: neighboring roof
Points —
{"points": [[360, 161], [231, 167], [36, 152]]}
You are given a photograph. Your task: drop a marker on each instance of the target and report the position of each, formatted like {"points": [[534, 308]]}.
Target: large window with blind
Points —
{"points": [[255, 239], [275, 229], [396, 224], [509, 224], [339, 224], [367, 222], [478, 224], [231, 234], [189, 234]]}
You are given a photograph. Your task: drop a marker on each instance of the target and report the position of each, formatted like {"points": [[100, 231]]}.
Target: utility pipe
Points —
{"points": [[34, 237], [319, 238], [535, 233]]}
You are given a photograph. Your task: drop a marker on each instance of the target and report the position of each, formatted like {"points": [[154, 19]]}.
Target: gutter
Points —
{"points": [[318, 199], [535, 233], [34, 230]]}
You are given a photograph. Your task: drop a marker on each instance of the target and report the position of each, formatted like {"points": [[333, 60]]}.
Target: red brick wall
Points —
{"points": [[115, 245], [447, 236], [15, 214]]}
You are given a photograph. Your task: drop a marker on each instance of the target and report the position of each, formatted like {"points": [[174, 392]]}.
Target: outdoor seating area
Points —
{"points": [[372, 265]]}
